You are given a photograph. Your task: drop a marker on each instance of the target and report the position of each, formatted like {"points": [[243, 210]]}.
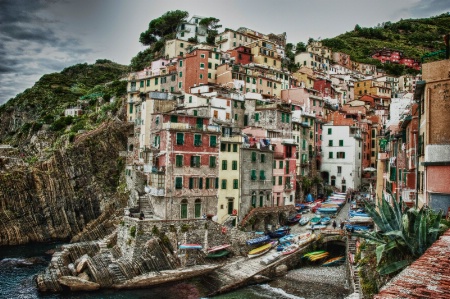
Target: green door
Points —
{"points": [[183, 210], [199, 123], [198, 209], [230, 207]]}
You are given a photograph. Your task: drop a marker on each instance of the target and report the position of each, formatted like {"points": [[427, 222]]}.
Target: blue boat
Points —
{"points": [[327, 210], [349, 227], [355, 214], [325, 220], [278, 234], [260, 240], [190, 246]]}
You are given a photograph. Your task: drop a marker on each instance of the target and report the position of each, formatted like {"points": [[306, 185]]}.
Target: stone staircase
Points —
{"points": [[146, 206], [354, 276]]}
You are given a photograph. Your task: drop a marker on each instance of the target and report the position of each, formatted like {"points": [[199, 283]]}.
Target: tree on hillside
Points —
{"points": [[300, 47], [211, 24], [163, 26]]}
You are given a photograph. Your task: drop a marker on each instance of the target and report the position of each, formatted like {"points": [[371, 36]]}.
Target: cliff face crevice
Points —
{"points": [[57, 198]]}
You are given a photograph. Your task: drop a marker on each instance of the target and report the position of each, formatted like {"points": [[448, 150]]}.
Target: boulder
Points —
{"points": [[82, 263], [84, 276], [78, 284], [281, 270]]}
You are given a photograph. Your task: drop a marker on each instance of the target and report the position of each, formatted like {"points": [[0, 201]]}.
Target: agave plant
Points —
{"points": [[403, 235]]}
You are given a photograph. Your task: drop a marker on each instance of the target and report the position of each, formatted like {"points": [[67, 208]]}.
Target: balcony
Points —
{"points": [[155, 191], [288, 186], [133, 89], [186, 127]]}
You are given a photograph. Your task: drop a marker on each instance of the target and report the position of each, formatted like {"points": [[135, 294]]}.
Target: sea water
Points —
{"points": [[20, 264]]}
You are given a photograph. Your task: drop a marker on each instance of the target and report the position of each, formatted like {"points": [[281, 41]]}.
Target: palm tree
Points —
{"points": [[403, 235]]}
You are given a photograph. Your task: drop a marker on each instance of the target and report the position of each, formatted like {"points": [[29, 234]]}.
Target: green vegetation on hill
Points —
{"points": [[414, 37], [45, 102]]}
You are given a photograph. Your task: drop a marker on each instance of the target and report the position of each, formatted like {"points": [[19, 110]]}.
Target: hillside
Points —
{"points": [[414, 37], [44, 103]]}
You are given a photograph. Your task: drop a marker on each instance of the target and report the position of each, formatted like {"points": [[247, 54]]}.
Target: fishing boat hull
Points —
{"points": [[325, 221], [260, 250], [334, 261], [260, 240], [219, 247], [304, 221], [190, 246], [218, 254]]}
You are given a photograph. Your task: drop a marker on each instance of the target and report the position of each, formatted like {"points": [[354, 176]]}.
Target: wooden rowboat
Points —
{"points": [[334, 261], [261, 250], [219, 247]]}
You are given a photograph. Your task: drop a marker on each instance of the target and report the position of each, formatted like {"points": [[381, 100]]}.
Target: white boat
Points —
{"points": [[290, 249], [271, 258]]}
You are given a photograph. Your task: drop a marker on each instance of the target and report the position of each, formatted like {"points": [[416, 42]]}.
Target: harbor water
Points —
{"points": [[20, 264]]}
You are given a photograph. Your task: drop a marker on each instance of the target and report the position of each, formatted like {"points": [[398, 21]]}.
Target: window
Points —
{"points": [[224, 164], [262, 175], [201, 76], [254, 199], [256, 117], [341, 142], [183, 209], [178, 183], [330, 142], [180, 84], [280, 165], [212, 141], [340, 155], [180, 138], [287, 167], [263, 158], [329, 131], [224, 184], [156, 81], [148, 82], [217, 55], [179, 160], [234, 165], [202, 55], [202, 65], [173, 119], [235, 184], [280, 180], [212, 161], [330, 155], [141, 84], [209, 75], [195, 161], [253, 156], [253, 175], [339, 169], [235, 147], [209, 65], [197, 140]]}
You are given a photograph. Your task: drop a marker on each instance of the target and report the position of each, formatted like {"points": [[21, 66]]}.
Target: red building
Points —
{"points": [[184, 181], [324, 87], [242, 55], [395, 56]]}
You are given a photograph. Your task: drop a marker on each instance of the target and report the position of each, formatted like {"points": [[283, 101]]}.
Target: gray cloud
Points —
{"points": [[430, 8]]}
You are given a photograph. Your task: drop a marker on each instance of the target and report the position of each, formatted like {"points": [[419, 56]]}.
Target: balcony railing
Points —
{"points": [[155, 191]]}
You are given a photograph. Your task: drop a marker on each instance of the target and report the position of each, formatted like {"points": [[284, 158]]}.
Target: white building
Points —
{"points": [[342, 149], [192, 29]]}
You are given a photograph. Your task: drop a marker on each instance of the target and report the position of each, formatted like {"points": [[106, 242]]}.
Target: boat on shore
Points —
{"points": [[315, 220], [303, 221], [334, 261], [325, 220], [259, 240], [294, 219], [290, 249], [218, 254], [190, 246], [280, 232], [306, 240], [219, 247], [260, 250], [327, 210]]}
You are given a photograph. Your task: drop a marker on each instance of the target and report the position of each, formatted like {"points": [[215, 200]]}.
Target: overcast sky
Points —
{"points": [[44, 36]]}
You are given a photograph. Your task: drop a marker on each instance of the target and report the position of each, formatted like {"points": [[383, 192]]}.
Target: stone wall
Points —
{"points": [[174, 232]]}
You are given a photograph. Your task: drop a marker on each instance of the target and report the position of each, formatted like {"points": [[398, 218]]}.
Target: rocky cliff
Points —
{"points": [[58, 197]]}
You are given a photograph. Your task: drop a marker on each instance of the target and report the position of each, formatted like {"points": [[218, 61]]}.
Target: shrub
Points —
{"points": [[133, 231]]}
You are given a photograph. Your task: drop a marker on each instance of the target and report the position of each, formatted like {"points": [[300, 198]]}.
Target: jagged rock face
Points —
{"points": [[57, 198]]}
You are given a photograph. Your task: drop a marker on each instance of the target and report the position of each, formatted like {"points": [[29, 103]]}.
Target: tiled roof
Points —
{"points": [[427, 277]]}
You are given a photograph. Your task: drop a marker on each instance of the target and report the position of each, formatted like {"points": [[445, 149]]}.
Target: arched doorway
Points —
{"points": [[261, 199], [254, 199]]}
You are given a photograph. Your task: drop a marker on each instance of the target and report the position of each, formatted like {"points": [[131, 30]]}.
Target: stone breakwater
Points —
{"points": [[57, 198], [139, 253]]}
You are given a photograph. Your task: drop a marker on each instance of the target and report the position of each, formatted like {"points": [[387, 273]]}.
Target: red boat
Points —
{"points": [[219, 247], [294, 219]]}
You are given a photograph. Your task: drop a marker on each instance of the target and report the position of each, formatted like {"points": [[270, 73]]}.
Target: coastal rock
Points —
{"points": [[78, 284], [84, 276], [82, 263], [57, 196], [72, 269], [281, 270], [260, 279]]}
